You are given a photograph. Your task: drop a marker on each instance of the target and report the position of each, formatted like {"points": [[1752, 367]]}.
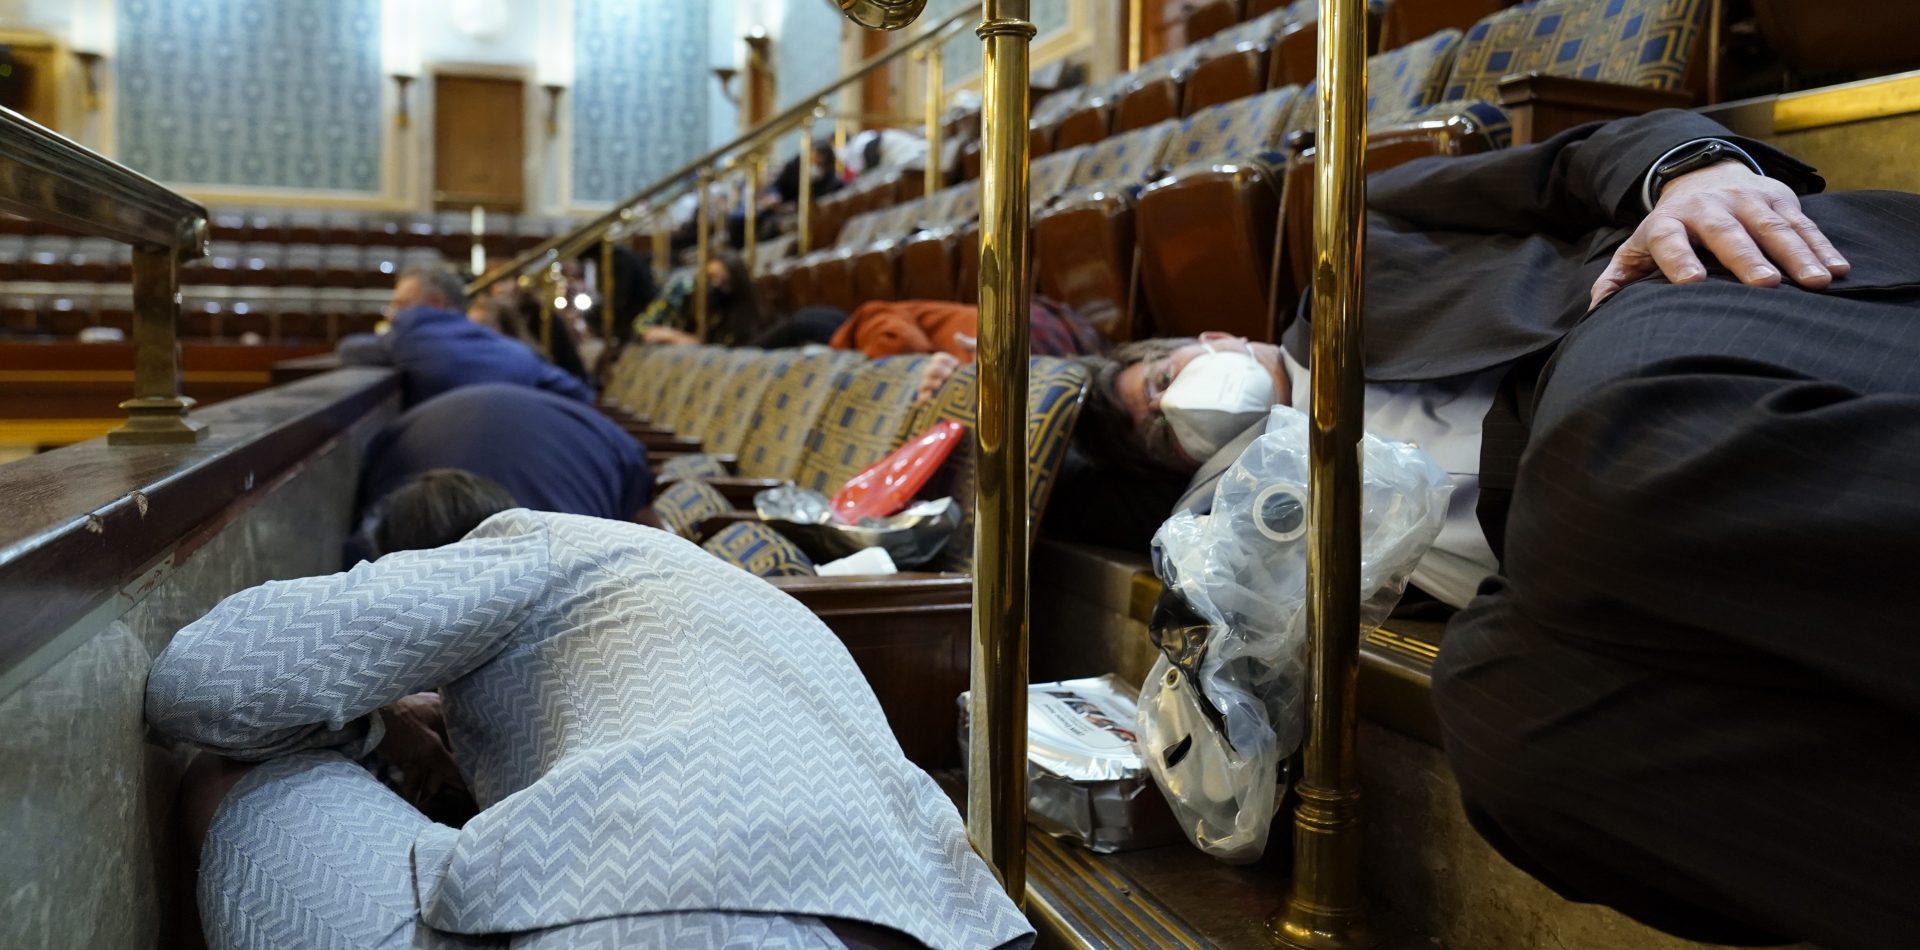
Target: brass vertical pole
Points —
{"points": [[703, 252], [662, 250], [550, 292], [157, 413], [606, 287], [997, 770], [805, 242], [752, 240], [1323, 910], [936, 93], [1136, 33]]}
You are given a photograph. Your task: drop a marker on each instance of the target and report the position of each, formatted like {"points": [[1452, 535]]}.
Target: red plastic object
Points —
{"points": [[888, 486]]}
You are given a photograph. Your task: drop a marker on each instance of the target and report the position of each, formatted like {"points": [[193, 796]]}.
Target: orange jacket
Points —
{"points": [[893, 327]]}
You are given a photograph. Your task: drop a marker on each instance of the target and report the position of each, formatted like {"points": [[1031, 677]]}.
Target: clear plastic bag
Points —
{"points": [[1226, 701]]}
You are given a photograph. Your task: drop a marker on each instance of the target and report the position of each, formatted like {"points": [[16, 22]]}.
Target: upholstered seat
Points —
{"points": [[1154, 92], [1232, 64], [928, 259], [1083, 246], [1206, 231], [1210, 17], [759, 550], [1055, 390]]}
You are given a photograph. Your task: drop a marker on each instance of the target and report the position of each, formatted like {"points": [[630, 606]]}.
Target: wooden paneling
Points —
{"points": [[137, 501], [479, 142]]}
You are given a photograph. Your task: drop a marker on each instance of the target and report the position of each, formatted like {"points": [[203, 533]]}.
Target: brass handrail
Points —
{"points": [[47, 177], [574, 242]]}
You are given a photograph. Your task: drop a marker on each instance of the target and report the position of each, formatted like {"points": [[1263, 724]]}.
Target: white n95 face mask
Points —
{"points": [[1215, 398]]}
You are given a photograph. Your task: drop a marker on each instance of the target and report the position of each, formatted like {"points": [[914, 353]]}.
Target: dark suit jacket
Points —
{"points": [[1486, 260], [440, 350]]}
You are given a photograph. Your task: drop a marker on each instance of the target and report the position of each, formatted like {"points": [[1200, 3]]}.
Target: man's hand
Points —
{"points": [[416, 743], [1752, 224], [940, 368]]}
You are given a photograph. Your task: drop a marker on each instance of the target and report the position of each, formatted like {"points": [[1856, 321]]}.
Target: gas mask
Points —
{"points": [[1215, 398]]}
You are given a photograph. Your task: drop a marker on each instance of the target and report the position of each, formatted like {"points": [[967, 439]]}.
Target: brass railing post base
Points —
{"points": [[1322, 910], [1321, 932], [158, 422]]}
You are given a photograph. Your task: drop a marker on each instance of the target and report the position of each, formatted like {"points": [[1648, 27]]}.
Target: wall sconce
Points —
{"points": [[401, 81], [554, 90], [90, 71], [725, 74], [760, 44]]}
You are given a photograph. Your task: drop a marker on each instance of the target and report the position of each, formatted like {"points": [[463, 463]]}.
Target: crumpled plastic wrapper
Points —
{"points": [[1086, 780], [1226, 700], [912, 538]]}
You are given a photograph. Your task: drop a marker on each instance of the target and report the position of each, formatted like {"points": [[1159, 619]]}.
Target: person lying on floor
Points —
{"points": [[666, 750], [1680, 392]]}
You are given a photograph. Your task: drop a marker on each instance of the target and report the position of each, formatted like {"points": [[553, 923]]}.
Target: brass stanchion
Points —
{"points": [[936, 93], [662, 251], [1323, 909], [703, 252], [157, 413], [805, 224], [997, 706], [606, 287], [752, 239], [997, 772], [1136, 33], [551, 293]]}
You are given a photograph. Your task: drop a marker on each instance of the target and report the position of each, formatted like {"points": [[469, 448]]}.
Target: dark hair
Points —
{"points": [[740, 322], [1106, 432], [437, 507]]}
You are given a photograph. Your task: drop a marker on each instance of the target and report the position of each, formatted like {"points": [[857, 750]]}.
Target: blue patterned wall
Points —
{"points": [[1050, 17], [640, 93], [281, 94]]}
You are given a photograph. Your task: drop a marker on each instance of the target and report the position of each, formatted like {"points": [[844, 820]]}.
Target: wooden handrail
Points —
{"points": [[574, 242], [49, 178]]}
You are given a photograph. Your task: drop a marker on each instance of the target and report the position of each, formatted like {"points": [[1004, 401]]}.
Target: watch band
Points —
{"points": [[1692, 157]]}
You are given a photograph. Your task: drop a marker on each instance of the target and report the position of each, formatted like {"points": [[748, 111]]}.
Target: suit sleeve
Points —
{"points": [[561, 383], [300, 664], [1581, 180]]}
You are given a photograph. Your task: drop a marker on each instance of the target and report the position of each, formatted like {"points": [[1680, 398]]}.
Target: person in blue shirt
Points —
{"points": [[437, 348], [549, 452]]}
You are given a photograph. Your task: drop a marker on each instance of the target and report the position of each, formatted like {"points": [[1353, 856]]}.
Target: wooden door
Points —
{"points": [[479, 142], [29, 75]]}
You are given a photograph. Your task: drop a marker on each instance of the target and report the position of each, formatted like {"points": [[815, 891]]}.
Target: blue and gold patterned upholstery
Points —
{"points": [[695, 375], [711, 377], [739, 396], [1125, 159], [683, 505], [954, 205], [653, 370], [1400, 82], [864, 421], [1646, 43], [1055, 388], [759, 550], [1411, 77], [1243, 128], [796, 394], [1057, 106], [693, 465], [1049, 175]]}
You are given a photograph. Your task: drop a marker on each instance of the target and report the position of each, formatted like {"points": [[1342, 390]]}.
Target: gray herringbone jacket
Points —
{"points": [[646, 728]]}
